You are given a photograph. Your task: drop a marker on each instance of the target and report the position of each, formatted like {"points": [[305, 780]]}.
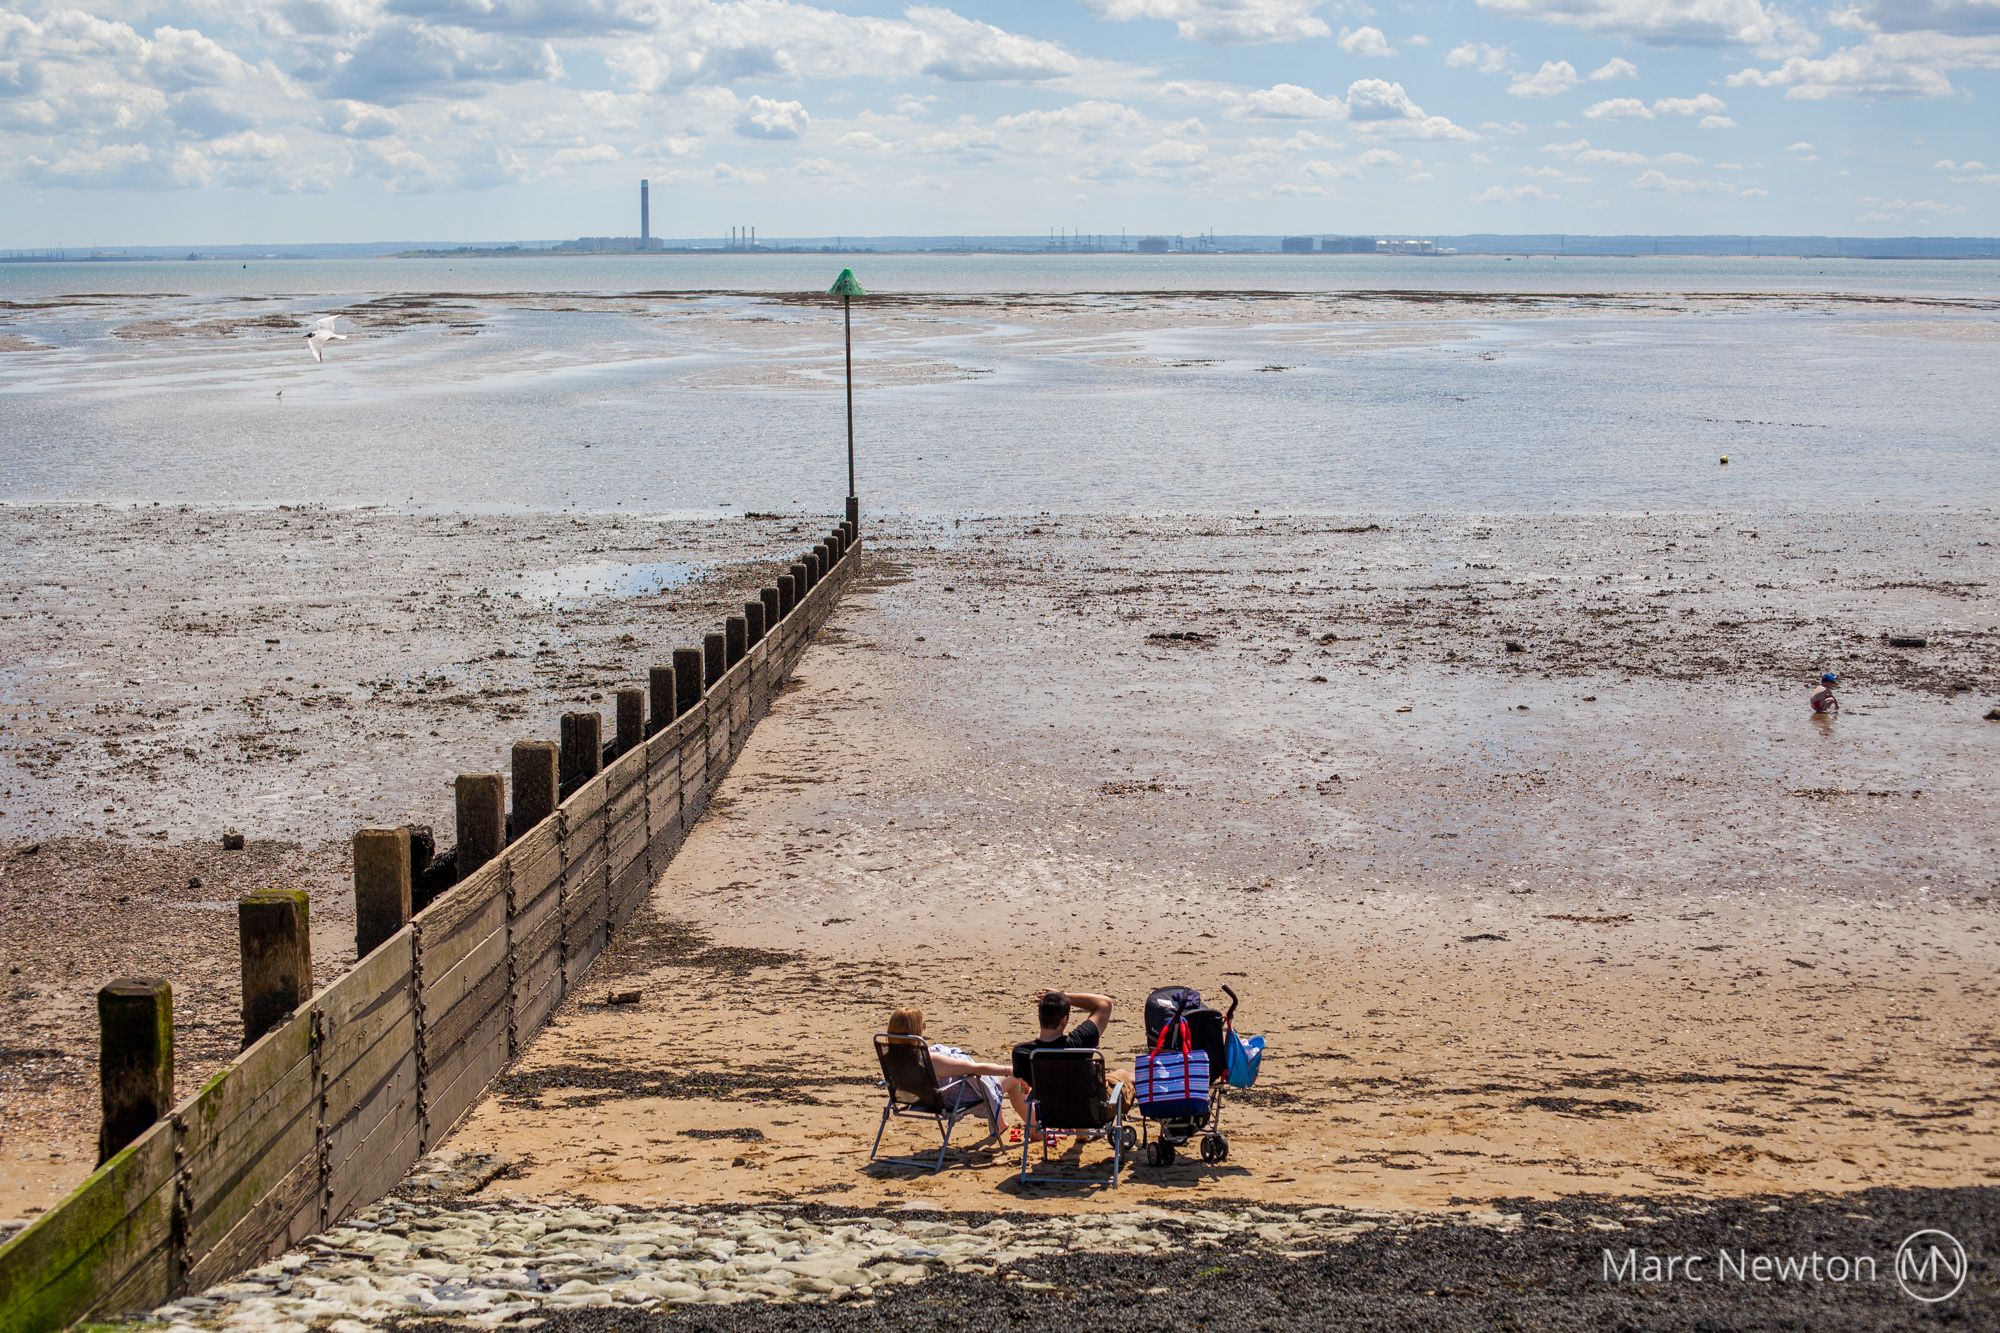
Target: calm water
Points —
{"points": [[187, 383]]}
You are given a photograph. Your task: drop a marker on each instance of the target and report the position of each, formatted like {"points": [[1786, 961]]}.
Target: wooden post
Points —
{"points": [[802, 581], [482, 820], [736, 638], [788, 593], [853, 517], [714, 650], [836, 545], [631, 720], [687, 679], [660, 683], [273, 936], [769, 596], [536, 783], [753, 616], [582, 749], [381, 886], [135, 1059]]}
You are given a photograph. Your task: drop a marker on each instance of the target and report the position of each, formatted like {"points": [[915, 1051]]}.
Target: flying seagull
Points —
{"points": [[322, 332]]}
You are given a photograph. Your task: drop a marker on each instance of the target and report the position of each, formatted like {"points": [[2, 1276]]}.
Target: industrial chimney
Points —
{"points": [[645, 216]]}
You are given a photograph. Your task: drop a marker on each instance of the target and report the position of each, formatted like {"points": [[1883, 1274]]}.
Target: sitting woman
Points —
{"points": [[962, 1080]]}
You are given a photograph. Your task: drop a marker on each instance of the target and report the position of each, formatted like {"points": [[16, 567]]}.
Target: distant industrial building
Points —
{"points": [[1347, 245], [1152, 245], [1409, 247], [1296, 245], [645, 214]]}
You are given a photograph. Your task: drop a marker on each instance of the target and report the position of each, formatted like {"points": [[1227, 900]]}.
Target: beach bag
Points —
{"points": [[1245, 1055], [1173, 1085]]}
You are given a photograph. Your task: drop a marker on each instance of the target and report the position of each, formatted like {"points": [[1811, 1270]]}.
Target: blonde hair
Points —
{"points": [[907, 1022]]}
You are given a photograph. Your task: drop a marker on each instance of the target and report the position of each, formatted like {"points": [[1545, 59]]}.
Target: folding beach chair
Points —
{"points": [[913, 1092], [1068, 1096]]}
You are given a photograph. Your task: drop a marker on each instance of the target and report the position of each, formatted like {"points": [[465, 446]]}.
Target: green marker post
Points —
{"points": [[847, 287]]}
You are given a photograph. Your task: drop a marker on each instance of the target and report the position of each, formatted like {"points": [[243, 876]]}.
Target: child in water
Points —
{"points": [[1822, 698]]}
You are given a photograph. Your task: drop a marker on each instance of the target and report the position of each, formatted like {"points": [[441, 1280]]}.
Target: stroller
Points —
{"points": [[1208, 1030]]}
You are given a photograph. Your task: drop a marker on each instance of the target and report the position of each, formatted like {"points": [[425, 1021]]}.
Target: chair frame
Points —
{"points": [[929, 1106], [1114, 1133]]}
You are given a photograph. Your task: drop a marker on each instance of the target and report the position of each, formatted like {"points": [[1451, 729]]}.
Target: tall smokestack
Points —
{"points": [[645, 215]]}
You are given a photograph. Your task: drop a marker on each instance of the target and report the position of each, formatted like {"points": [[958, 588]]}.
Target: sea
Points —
{"points": [[677, 385]]}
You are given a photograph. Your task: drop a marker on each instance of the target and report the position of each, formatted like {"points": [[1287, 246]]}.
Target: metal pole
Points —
{"points": [[847, 319]]}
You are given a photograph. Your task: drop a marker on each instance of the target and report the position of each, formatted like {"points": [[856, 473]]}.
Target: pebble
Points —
{"points": [[481, 1263]]}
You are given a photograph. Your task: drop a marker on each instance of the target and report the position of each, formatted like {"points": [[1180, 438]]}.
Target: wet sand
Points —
{"points": [[1656, 930], [1612, 913], [292, 675]]}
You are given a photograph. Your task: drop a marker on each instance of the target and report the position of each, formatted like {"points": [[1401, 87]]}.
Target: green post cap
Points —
{"points": [[845, 285]]}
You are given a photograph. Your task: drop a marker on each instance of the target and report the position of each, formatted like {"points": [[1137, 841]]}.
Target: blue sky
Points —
{"points": [[215, 121]]}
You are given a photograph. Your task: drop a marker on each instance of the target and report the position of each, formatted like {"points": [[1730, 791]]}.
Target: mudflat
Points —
{"points": [[1609, 913]]}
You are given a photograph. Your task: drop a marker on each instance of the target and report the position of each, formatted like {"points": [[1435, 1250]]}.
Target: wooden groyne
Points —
{"points": [[326, 1110]]}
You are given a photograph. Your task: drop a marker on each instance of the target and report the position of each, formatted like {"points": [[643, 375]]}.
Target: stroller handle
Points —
{"points": [[1230, 1017]]}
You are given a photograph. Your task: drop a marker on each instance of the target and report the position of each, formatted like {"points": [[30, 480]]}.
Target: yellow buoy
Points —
{"points": [[1725, 460]]}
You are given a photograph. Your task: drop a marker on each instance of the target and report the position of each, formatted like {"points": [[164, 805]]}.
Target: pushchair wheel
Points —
{"points": [[1128, 1140], [1214, 1149], [1161, 1154]]}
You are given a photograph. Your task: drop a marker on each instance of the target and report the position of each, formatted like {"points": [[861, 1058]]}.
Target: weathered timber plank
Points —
{"points": [[463, 1076], [69, 1258], [354, 1085], [445, 1028], [227, 1196], [463, 901], [272, 1077], [265, 1230], [584, 803], [545, 937], [214, 1154], [441, 956], [536, 860], [380, 1161]]}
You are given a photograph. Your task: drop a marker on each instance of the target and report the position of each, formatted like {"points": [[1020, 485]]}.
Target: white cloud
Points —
{"points": [[1631, 108], [1898, 66], [1554, 77], [1513, 194], [767, 118], [1706, 104], [1716, 123], [603, 152], [1365, 42], [1553, 174], [1659, 180], [1489, 59], [1619, 108], [1581, 151], [1223, 22], [863, 139], [1378, 106], [1090, 120], [1614, 68], [1287, 101], [1417, 39], [1660, 22], [1382, 157]]}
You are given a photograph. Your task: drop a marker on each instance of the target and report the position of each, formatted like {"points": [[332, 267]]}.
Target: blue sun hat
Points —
{"points": [[1827, 679]]}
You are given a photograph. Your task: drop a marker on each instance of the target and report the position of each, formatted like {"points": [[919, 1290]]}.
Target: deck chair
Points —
{"points": [[913, 1092], [1068, 1096]]}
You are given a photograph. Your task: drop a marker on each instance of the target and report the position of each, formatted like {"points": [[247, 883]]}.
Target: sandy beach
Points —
{"points": [[1612, 913]]}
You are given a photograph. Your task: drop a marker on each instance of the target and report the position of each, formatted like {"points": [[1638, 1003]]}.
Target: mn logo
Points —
{"points": [[1930, 1266]]}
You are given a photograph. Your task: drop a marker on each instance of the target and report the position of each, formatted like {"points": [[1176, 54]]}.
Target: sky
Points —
{"points": [[245, 121]]}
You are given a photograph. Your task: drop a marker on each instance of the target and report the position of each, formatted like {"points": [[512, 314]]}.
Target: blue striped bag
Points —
{"points": [[1172, 1085]]}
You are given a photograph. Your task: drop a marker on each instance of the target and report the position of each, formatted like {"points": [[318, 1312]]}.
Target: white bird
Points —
{"points": [[321, 334]]}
